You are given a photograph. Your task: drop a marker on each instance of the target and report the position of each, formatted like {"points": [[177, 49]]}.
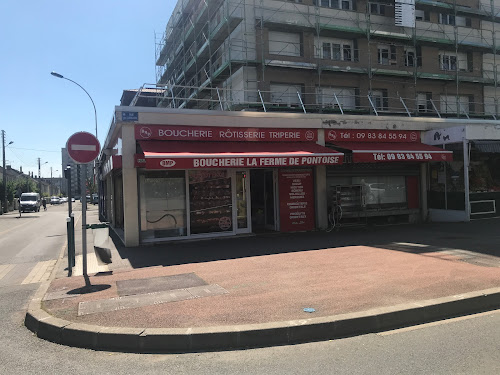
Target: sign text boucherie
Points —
{"points": [[229, 134]]}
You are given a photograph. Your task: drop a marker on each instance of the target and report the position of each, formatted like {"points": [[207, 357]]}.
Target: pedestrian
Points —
{"points": [[44, 204]]}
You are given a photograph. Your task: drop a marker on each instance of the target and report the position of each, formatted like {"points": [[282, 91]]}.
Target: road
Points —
{"points": [[468, 345]]}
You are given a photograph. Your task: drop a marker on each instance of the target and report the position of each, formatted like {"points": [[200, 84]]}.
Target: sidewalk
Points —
{"points": [[272, 289]]}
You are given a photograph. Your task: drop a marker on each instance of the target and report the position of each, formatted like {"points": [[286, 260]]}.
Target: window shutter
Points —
{"points": [[471, 103], [419, 55], [470, 61], [385, 100], [393, 55], [354, 5]]}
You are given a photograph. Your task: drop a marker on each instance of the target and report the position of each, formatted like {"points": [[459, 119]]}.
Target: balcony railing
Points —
{"points": [[316, 100]]}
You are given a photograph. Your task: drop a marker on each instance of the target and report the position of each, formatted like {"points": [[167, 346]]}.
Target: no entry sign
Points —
{"points": [[83, 147]]}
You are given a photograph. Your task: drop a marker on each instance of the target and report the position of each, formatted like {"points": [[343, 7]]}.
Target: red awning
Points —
{"points": [[195, 155], [376, 152]]}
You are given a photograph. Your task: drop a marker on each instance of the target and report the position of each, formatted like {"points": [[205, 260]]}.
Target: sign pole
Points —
{"points": [[84, 222], [83, 148]]}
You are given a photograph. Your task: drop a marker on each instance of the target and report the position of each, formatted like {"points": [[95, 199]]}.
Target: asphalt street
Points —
{"points": [[468, 345]]}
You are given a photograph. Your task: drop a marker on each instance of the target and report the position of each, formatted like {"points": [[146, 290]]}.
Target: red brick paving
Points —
{"points": [[278, 287]]}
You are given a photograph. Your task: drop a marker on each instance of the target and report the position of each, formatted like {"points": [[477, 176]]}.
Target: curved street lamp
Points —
{"points": [[83, 187], [76, 83]]}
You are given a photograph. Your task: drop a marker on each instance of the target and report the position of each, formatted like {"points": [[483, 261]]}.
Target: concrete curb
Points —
{"points": [[170, 340]]}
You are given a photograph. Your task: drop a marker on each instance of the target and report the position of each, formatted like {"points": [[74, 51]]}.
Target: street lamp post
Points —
{"points": [[83, 188], [4, 176], [95, 112], [40, 176]]}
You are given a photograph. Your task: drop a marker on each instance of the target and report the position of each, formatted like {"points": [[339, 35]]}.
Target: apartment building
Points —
{"points": [[405, 57], [307, 115]]}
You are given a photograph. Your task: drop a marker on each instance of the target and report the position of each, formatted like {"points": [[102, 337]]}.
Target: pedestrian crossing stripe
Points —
{"points": [[41, 272], [5, 269]]}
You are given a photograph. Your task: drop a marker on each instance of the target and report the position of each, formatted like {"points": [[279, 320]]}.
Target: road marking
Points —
{"points": [[411, 244], [5, 269], [11, 229], [438, 323], [41, 272]]}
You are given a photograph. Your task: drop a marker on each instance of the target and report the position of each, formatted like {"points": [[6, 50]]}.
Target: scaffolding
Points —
{"points": [[238, 55]]}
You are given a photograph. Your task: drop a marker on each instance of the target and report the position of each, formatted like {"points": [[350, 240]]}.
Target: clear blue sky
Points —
{"points": [[105, 46]]}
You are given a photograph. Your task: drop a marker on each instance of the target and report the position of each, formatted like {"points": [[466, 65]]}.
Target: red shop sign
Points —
{"points": [[353, 135], [296, 189], [172, 162], [231, 134]]}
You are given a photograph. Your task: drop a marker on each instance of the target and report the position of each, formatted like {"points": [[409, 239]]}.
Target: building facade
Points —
{"points": [[332, 56], [308, 115]]}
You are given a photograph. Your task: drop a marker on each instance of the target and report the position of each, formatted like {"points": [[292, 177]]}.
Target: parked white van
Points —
{"points": [[30, 202]]}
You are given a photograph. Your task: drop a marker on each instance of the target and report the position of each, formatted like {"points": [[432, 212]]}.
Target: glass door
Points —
{"points": [[241, 196]]}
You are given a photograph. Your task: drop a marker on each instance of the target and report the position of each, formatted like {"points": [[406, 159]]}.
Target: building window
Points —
{"points": [[283, 94], [413, 56], [424, 102], [453, 61], [335, 4], [346, 96], [450, 19], [336, 49], [380, 100], [454, 104], [422, 15], [410, 57], [376, 8], [285, 44], [386, 54]]}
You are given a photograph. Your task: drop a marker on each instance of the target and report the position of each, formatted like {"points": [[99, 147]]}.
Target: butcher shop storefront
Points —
{"points": [[197, 181]]}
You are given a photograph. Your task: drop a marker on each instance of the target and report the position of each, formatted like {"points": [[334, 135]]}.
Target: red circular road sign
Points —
{"points": [[83, 147]]}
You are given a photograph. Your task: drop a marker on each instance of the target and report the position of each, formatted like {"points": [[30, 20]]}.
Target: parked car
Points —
{"points": [[54, 200], [95, 199], [29, 202]]}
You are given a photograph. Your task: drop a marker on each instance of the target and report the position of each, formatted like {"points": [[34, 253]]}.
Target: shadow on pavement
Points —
{"points": [[478, 236]]}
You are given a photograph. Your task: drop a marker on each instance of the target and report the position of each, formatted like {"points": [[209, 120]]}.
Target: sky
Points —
{"points": [[105, 46]]}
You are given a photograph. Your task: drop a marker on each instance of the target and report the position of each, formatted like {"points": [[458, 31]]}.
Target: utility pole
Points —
{"points": [[39, 178], [4, 176]]}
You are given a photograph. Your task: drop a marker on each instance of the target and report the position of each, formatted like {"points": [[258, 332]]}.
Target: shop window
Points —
{"points": [[383, 191], [210, 201], [163, 204], [379, 192]]}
